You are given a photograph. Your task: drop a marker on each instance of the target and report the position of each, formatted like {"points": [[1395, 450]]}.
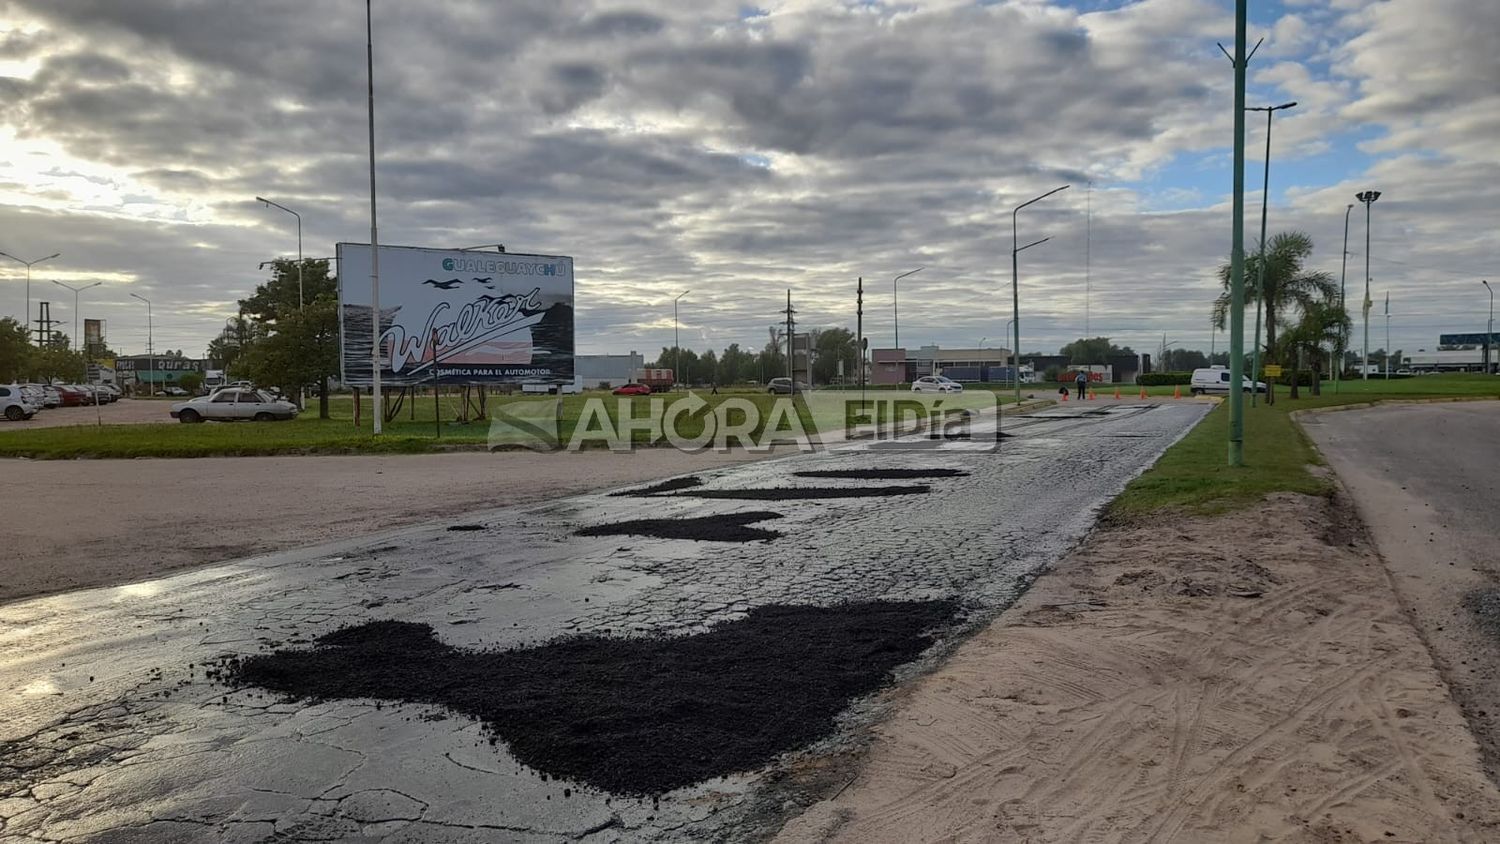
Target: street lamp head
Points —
{"points": [[142, 298], [1368, 196], [263, 199]]}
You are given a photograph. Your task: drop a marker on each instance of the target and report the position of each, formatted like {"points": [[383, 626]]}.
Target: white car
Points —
{"points": [[936, 384], [231, 404], [15, 404], [1215, 379]]}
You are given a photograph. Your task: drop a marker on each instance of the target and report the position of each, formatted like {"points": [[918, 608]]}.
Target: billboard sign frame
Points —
{"points": [[458, 316]]}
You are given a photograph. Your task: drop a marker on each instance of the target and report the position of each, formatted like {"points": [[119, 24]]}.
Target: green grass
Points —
{"points": [[412, 430], [1192, 476]]}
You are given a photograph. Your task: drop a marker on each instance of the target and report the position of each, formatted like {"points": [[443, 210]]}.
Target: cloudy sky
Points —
{"points": [[737, 149]]}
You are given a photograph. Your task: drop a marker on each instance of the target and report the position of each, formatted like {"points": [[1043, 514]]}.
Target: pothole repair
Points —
{"points": [[732, 527], [671, 485], [796, 493], [628, 715], [883, 474]]}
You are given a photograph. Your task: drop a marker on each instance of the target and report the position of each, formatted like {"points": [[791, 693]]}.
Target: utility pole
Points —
{"points": [[1489, 333], [1237, 250], [677, 340], [791, 343], [1368, 198], [859, 332], [1388, 335]]}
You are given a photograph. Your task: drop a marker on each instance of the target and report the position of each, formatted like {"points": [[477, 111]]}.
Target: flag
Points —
{"points": [[1388, 303]]}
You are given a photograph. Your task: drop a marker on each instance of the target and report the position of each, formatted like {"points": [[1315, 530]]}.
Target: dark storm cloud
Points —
{"points": [[621, 24]]}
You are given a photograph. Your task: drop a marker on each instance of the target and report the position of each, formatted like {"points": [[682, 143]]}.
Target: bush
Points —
{"points": [[1164, 379], [190, 381]]}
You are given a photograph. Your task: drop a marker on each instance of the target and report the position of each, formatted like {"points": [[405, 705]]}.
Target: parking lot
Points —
{"points": [[122, 412]]}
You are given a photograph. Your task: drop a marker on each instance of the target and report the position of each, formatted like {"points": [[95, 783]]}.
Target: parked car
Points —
{"points": [[15, 404], [784, 386], [229, 405], [632, 390], [936, 384], [70, 396], [114, 392], [46, 394], [1215, 379], [174, 390]]}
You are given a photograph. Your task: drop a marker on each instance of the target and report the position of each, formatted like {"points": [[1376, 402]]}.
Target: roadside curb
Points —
{"points": [[1366, 405]]}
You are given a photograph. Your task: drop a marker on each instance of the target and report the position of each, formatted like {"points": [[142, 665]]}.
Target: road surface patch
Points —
{"points": [[883, 474], [796, 493], [671, 485], [628, 715], [729, 527]]}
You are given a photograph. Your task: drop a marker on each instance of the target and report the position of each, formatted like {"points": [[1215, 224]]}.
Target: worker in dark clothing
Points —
{"points": [[1083, 384]]}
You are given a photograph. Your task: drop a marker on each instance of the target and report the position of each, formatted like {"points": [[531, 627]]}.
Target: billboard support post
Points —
{"points": [[374, 236]]}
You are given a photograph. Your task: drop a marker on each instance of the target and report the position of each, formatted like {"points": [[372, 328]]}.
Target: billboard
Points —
{"points": [[455, 316]]}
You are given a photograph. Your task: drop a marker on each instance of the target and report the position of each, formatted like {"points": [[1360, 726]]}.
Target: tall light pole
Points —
{"points": [[1368, 198], [301, 299], [150, 343], [1338, 367], [374, 231], [895, 312], [1260, 281], [1489, 334], [78, 343], [26, 317], [1015, 285], [1388, 335], [1237, 250], [676, 341]]}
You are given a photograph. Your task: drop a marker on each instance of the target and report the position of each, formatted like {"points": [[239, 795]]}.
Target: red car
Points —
{"points": [[72, 396], [632, 390]]}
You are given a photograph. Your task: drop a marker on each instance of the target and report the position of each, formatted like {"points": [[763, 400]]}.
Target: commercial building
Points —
{"points": [[139, 371], [1464, 352], [900, 366]]}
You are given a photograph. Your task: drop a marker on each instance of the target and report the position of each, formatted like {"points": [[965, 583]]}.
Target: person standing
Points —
{"points": [[1082, 382]]}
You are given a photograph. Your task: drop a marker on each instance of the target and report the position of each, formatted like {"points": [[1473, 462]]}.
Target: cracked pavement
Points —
{"points": [[113, 732]]}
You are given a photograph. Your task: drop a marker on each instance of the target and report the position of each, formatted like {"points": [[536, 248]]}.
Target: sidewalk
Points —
{"points": [[1164, 683]]}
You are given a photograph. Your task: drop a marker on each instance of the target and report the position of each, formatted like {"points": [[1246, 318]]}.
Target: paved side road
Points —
{"points": [[108, 728], [1426, 478]]}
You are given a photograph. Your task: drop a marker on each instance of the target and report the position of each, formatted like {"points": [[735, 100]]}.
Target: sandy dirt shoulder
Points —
{"points": [[72, 524], [1165, 682]]}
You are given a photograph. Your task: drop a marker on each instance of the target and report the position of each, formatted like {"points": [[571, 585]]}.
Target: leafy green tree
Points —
{"points": [[299, 324], [1310, 339], [1093, 350], [831, 345], [15, 350], [1288, 286], [190, 381]]}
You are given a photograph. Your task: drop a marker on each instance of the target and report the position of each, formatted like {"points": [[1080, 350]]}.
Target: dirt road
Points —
{"points": [[1163, 684], [1424, 479], [95, 522]]}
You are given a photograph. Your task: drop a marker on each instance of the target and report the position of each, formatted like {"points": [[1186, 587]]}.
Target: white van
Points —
{"points": [[1215, 379]]}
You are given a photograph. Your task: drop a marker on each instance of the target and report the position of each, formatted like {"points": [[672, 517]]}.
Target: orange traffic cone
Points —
{"points": [[1143, 392], [1093, 395], [1117, 394], [1065, 396], [1177, 392]]}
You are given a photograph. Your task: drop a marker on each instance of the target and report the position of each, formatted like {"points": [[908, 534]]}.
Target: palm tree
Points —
{"points": [[1286, 283], [1319, 330]]}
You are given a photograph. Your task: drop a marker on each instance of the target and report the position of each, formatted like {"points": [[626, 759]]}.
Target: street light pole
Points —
{"points": [[301, 298], [676, 341], [895, 313], [1260, 281], [374, 232], [78, 343], [150, 343], [1338, 367], [1368, 198], [1489, 334], [1015, 284], [1237, 250], [26, 317]]}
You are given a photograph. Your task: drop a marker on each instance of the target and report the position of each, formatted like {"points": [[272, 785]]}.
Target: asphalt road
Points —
{"points": [[1424, 477], [110, 729]]}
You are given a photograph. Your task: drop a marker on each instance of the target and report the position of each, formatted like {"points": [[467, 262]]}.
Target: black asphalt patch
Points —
{"points": [[732, 527], [883, 474], [671, 485], [796, 493], [629, 715], [465, 527]]}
